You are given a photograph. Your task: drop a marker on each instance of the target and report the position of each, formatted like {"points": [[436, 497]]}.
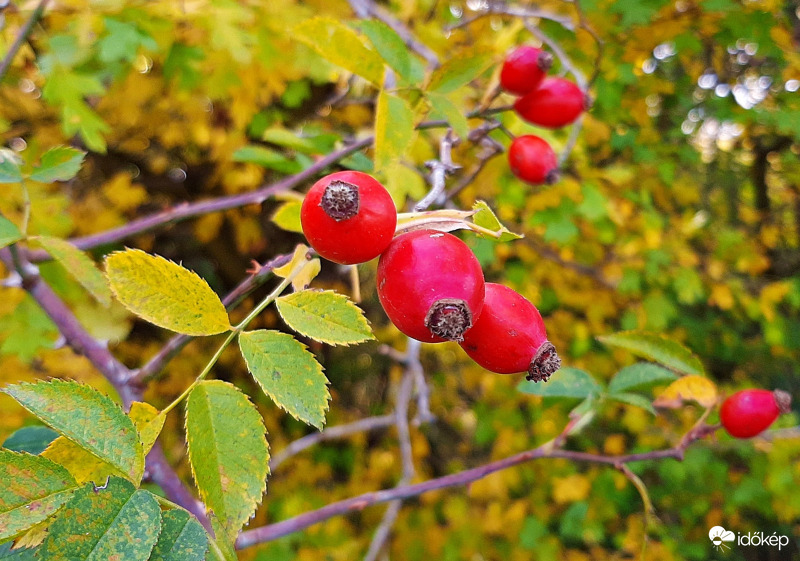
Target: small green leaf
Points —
{"points": [[266, 157], [165, 293], [9, 233], [443, 108], [31, 489], [79, 265], [287, 217], [33, 439], [342, 46], [485, 218], [182, 538], [633, 399], [9, 166], [394, 129], [458, 71], [287, 373], [228, 451], [325, 316], [61, 163], [639, 375], [100, 523], [389, 45], [87, 418], [568, 382], [658, 349]]}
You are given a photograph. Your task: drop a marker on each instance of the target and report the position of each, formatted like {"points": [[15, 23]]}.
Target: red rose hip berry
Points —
{"points": [[431, 285], [555, 103], [748, 413], [524, 69], [532, 160], [509, 336], [348, 217]]}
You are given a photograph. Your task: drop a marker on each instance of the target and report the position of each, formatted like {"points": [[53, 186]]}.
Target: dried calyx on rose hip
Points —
{"points": [[533, 160], [555, 103], [509, 336], [524, 69], [748, 413], [430, 285], [348, 217]]}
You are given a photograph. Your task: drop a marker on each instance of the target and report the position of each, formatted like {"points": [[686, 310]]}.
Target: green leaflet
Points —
{"points": [[31, 489], [339, 44], [9, 233], [182, 538], [325, 316], [485, 217], [60, 163], [288, 373], [79, 265], [639, 375], [568, 383], [87, 418], [33, 439], [458, 71], [394, 129], [165, 293], [100, 523], [633, 399], [228, 451], [657, 348], [443, 108], [9, 166], [390, 46]]}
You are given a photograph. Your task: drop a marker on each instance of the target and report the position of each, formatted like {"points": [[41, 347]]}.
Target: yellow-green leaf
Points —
{"points": [[342, 46], [325, 316], [60, 163], [87, 418], [458, 71], [287, 373], [149, 421], [31, 489], [485, 218], [389, 45], [656, 348], [83, 465], [688, 388], [394, 129], [228, 451], [287, 216], [79, 265], [165, 293], [443, 108], [9, 233]]}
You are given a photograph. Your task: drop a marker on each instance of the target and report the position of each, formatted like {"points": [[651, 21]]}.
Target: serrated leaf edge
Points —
{"points": [[282, 301]]}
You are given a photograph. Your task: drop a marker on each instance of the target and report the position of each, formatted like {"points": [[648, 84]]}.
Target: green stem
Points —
{"points": [[26, 208], [236, 331]]}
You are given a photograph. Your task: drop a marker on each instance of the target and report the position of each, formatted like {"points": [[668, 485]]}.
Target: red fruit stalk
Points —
{"points": [[748, 413], [430, 285], [532, 160], [510, 336], [555, 103], [524, 69], [348, 217]]}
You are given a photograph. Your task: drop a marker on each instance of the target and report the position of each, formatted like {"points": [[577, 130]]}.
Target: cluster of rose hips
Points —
{"points": [[748, 413], [429, 282], [549, 102]]}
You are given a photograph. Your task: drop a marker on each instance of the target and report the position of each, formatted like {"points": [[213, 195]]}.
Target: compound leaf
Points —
{"points": [[287, 373]]}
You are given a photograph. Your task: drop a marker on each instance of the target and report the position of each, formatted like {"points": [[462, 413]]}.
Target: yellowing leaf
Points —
{"points": [[149, 421], [485, 218], [165, 293], [458, 71], [287, 216], [82, 465], [288, 373], [342, 46], [324, 316], [300, 256], [79, 265], [689, 388], [394, 129]]}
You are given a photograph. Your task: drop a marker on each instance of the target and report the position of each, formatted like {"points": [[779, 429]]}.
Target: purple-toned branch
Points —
{"points": [[160, 472], [190, 210], [22, 37], [177, 342], [547, 450]]}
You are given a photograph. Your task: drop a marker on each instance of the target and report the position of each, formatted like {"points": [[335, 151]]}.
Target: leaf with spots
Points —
{"points": [[100, 523], [325, 316], [182, 538], [149, 421], [165, 294], [83, 465], [228, 451], [87, 418], [287, 373], [31, 489]]}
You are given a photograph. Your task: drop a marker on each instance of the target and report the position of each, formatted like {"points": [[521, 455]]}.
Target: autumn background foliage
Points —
{"points": [[665, 262]]}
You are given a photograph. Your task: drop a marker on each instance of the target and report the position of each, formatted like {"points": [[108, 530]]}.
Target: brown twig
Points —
{"points": [[296, 523]]}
